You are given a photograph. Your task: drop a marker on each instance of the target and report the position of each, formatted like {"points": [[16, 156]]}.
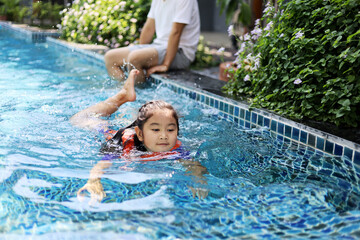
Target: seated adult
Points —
{"points": [[176, 24]]}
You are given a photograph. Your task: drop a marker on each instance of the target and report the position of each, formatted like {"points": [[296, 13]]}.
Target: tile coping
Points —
{"points": [[234, 111]]}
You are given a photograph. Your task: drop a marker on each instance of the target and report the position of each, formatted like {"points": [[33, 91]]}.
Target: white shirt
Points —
{"points": [[166, 12]]}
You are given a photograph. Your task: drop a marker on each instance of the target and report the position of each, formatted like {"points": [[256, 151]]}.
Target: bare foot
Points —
{"points": [[129, 85]]}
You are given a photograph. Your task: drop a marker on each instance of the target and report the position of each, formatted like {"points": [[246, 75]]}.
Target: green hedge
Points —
{"points": [[113, 23], [305, 63]]}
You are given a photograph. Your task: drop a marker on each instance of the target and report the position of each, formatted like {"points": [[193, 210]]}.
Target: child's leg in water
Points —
{"points": [[89, 117]]}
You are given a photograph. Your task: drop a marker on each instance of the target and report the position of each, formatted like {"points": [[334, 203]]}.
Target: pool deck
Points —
{"points": [[205, 86]]}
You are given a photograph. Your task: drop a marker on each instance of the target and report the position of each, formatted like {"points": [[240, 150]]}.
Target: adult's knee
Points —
{"points": [[133, 58], [143, 58], [109, 56], [115, 56]]}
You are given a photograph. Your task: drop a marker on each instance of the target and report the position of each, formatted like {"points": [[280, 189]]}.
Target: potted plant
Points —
{"points": [[2, 13]]}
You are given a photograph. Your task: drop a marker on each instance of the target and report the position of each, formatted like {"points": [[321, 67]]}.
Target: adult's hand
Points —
{"points": [[158, 68]]}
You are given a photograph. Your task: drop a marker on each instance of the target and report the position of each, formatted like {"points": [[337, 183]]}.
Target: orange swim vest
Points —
{"points": [[128, 150]]}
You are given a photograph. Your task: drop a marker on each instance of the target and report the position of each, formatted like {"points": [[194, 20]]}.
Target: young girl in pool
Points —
{"points": [[155, 129], [154, 134]]}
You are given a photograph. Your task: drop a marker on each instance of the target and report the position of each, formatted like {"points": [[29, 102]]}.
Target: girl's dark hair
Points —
{"points": [[146, 111]]}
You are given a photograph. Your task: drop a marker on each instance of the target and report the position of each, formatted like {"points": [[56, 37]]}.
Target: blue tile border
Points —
{"points": [[283, 129], [35, 36]]}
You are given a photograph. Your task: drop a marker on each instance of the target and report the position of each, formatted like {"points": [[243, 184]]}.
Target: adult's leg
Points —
{"points": [[142, 59], [114, 60]]}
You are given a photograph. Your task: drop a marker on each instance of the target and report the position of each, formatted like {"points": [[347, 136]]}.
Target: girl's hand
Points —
{"points": [[200, 193], [95, 188]]}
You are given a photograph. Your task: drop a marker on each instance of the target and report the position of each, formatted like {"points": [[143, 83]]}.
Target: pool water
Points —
{"points": [[256, 186]]}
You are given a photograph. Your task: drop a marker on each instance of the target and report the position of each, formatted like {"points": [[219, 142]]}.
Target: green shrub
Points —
{"points": [[113, 23], [305, 63], [12, 10], [47, 11]]}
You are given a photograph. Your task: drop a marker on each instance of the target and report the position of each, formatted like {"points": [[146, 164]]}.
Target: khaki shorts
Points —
{"points": [[180, 61]]}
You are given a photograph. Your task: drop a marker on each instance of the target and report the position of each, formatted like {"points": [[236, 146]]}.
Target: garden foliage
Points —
{"points": [[12, 10], [113, 23], [47, 11], [305, 62]]}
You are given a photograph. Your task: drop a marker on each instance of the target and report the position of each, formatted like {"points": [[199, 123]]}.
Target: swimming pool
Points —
{"points": [[258, 186]]}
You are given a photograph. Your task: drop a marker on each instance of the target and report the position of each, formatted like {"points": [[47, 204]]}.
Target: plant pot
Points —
{"points": [[224, 73]]}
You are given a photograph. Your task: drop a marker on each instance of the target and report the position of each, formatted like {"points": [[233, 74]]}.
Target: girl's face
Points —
{"points": [[159, 132]]}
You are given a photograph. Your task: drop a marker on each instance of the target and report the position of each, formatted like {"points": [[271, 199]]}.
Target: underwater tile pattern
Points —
{"points": [[237, 112]]}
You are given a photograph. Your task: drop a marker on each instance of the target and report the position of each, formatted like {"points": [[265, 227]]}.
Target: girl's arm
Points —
{"points": [[93, 185], [197, 170]]}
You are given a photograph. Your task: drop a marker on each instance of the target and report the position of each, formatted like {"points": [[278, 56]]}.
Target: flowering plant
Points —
{"points": [[113, 23], [304, 63]]}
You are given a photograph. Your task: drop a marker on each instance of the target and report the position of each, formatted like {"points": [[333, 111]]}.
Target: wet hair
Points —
{"points": [[147, 110]]}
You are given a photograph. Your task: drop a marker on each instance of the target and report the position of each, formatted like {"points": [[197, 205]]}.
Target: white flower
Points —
{"points": [[268, 26], [242, 48], [256, 33], [247, 37], [247, 78], [268, 9], [221, 50], [299, 34], [297, 81], [230, 30], [257, 61]]}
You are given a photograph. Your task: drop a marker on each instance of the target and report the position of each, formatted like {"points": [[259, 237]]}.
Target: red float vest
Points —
{"points": [[128, 143]]}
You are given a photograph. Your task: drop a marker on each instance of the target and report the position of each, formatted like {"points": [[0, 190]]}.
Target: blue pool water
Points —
{"points": [[257, 187]]}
